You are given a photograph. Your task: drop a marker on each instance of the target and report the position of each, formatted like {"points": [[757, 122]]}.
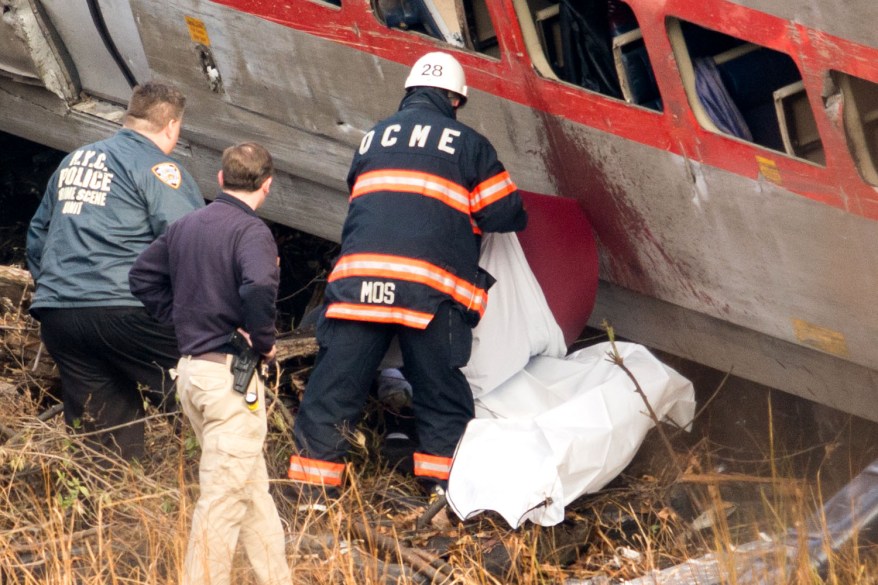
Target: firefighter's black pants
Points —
{"points": [[110, 359], [350, 354]]}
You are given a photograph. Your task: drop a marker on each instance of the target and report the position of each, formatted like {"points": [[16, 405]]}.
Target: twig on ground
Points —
{"points": [[616, 358], [435, 569]]}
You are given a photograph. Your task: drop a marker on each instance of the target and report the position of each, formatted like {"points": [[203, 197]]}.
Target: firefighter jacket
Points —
{"points": [[424, 187]]}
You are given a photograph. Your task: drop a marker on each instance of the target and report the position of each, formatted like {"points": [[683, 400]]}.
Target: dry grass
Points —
{"points": [[64, 521]]}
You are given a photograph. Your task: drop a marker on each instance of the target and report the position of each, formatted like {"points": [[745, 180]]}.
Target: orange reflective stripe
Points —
{"points": [[492, 190], [425, 184], [432, 466], [476, 229], [315, 471], [408, 269], [379, 314]]}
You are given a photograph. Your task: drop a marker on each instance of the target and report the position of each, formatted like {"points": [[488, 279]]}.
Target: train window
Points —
{"points": [[460, 23], [861, 122], [745, 90], [595, 44]]}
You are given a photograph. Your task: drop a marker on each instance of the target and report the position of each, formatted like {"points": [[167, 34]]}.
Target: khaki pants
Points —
{"points": [[234, 496]]}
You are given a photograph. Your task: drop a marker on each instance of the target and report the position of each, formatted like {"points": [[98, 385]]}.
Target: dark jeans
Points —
{"points": [[111, 359], [350, 353]]}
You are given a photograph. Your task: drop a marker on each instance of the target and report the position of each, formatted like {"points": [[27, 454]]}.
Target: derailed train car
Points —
{"points": [[713, 162]]}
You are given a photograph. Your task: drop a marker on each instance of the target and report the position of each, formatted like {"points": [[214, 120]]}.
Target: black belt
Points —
{"points": [[211, 356]]}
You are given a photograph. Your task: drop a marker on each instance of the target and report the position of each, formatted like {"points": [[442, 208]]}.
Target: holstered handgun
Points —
{"points": [[243, 367]]}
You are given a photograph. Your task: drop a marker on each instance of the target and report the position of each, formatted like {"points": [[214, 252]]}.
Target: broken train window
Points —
{"points": [[460, 23], [860, 110], [594, 44], [745, 90]]}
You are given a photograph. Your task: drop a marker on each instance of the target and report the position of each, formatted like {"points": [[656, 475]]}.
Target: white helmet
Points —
{"points": [[438, 70]]}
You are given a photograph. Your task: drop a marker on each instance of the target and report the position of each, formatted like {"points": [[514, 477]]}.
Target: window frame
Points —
{"points": [[685, 66]]}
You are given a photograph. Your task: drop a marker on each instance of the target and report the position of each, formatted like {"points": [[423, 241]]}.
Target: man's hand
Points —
{"points": [[266, 357], [246, 336], [269, 357]]}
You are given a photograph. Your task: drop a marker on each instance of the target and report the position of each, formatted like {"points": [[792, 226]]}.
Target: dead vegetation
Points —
{"points": [[67, 516]]}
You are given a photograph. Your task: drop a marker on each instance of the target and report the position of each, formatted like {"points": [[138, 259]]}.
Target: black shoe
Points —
{"points": [[398, 450], [433, 488], [311, 497]]}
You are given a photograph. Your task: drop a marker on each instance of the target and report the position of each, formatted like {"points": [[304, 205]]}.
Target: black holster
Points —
{"points": [[244, 364]]}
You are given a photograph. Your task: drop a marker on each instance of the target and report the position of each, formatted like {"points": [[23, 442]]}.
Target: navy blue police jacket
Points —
{"points": [[424, 188]]}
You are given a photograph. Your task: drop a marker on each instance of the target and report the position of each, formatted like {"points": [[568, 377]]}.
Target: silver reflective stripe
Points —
{"points": [[310, 470], [432, 466]]}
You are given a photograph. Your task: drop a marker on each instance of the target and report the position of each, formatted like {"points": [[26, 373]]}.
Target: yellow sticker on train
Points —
{"points": [[820, 338], [768, 169], [197, 31]]}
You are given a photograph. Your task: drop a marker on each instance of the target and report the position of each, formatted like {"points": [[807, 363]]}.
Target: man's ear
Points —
{"points": [[172, 129], [266, 185], [219, 179]]}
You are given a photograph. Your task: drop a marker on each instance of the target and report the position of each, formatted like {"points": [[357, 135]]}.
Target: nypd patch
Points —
{"points": [[169, 174]]}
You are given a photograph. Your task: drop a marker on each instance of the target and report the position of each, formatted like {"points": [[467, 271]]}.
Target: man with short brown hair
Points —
{"points": [[155, 103], [214, 273], [103, 206]]}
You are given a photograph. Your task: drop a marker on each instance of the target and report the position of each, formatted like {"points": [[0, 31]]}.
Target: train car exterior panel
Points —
{"points": [[696, 227], [98, 73], [852, 19], [748, 252], [512, 78]]}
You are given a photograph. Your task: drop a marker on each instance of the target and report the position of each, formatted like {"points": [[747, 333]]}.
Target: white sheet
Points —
{"points": [[558, 429], [517, 323]]}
